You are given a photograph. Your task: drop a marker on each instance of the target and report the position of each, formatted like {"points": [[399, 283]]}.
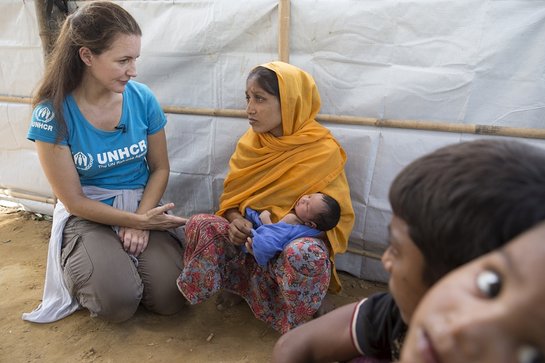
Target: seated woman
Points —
{"points": [[284, 155], [101, 142]]}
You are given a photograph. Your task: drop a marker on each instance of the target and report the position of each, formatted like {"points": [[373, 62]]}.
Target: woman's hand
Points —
{"points": [[58, 165], [239, 231], [157, 219], [134, 241]]}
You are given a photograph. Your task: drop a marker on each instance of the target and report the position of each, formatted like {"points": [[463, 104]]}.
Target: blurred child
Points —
{"points": [[488, 311], [449, 207]]}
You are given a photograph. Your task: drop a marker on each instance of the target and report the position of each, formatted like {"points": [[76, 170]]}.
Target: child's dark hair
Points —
{"points": [[266, 79], [467, 199], [330, 217]]}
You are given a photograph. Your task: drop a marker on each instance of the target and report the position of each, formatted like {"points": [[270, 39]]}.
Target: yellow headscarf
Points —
{"points": [[272, 173]]}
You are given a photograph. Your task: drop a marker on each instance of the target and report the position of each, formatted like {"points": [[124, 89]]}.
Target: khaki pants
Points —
{"points": [[106, 281]]}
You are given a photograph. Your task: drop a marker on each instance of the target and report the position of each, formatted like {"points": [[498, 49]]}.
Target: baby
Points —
{"points": [[318, 211], [312, 215]]}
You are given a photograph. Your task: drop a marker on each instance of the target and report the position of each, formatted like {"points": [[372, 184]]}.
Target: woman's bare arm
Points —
{"points": [[58, 166]]}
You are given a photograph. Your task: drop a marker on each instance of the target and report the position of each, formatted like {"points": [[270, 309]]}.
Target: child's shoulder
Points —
{"points": [[380, 307], [377, 326]]}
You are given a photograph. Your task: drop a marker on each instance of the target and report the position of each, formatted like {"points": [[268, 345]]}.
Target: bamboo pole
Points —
{"points": [[15, 99], [436, 126], [364, 253], [225, 112], [530, 133], [22, 195], [384, 123], [284, 30]]}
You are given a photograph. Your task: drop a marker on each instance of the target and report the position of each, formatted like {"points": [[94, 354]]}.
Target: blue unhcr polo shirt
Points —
{"points": [[107, 159]]}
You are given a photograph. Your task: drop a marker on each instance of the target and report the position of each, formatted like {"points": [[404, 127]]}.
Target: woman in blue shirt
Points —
{"points": [[101, 143]]}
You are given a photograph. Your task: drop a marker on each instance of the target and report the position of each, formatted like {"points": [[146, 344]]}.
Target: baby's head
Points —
{"points": [[318, 211], [456, 204]]}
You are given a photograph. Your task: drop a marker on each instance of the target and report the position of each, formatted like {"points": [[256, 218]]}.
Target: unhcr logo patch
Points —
{"points": [[121, 155], [44, 114], [83, 161]]}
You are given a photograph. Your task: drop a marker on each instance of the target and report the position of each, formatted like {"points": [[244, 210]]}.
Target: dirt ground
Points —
{"points": [[197, 334]]}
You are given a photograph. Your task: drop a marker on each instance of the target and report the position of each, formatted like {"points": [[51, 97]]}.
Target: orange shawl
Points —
{"points": [[268, 172]]}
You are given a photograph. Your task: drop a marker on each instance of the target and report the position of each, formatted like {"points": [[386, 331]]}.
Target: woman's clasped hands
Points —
{"points": [[134, 240]]}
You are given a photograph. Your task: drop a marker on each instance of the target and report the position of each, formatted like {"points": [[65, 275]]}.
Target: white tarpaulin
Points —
{"points": [[464, 61]]}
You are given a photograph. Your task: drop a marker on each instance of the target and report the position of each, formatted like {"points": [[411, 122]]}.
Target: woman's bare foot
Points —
{"points": [[226, 300]]}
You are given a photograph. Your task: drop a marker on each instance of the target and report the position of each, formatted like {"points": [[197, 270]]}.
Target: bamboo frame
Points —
{"points": [[437, 126], [15, 99], [22, 195], [381, 123], [218, 112], [284, 13], [518, 132], [364, 253]]}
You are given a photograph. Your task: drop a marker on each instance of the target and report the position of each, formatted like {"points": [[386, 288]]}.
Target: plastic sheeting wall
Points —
{"points": [[465, 61]]}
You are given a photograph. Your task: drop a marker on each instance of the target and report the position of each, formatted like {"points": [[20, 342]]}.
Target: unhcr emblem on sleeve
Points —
{"points": [[83, 161], [43, 115]]}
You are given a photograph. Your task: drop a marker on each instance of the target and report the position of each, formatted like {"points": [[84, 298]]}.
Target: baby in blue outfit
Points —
{"points": [[312, 215]]}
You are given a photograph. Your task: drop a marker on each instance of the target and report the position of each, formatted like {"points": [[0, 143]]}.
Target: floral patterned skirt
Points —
{"points": [[284, 294]]}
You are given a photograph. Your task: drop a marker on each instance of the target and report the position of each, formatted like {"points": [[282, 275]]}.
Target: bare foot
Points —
{"points": [[227, 300], [327, 306]]}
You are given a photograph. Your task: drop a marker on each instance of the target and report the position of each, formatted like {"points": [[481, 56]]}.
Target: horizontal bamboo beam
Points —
{"points": [[385, 123], [217, 112], [519, 132], [436, 126], [15, 99], [374, 256], [22, 195]]}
